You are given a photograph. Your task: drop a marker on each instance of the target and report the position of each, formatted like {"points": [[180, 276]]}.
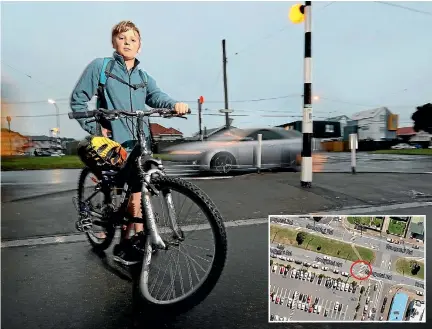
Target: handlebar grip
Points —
{"points": [[81, 115]]}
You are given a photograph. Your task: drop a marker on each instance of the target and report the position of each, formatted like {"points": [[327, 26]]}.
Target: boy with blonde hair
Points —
{"points": [[124, 87]]}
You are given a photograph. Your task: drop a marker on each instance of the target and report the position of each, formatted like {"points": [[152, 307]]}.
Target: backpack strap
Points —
{"points": [[103, 75]]}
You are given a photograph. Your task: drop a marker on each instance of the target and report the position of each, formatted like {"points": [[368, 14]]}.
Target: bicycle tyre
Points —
{"points": [[110, 230], [216, 223]]}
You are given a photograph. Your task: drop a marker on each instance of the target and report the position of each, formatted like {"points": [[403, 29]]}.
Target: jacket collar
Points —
{"points": [[119, 59]]}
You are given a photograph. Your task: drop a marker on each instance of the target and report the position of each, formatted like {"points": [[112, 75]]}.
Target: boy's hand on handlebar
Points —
{"points": [[106, 132], [181, 108]]}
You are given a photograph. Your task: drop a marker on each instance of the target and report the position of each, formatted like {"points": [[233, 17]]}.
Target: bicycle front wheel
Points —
{"points": [[162, 285]]}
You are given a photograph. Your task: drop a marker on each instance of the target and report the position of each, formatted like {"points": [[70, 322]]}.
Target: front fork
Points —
{"points": [[154, 239], [150, 220]]}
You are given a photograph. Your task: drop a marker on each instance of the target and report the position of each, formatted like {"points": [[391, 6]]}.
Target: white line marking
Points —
{"points": [[363, 210], [208, 178], [68, 238], [346, 311]]}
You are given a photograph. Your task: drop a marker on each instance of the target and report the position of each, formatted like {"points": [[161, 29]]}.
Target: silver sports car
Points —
{"points": [[237, 149]]}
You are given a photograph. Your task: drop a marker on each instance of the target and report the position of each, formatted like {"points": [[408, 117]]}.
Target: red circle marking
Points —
{"points": [[361, 262]]}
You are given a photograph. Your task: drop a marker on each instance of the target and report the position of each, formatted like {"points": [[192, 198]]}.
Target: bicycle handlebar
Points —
{"points": [[118, 113]]}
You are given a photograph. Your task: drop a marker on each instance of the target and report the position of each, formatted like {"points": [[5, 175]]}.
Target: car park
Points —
{"points": [[324, 302]]}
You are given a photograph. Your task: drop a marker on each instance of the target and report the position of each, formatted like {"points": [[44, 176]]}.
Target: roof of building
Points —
{"points": [[338, 118], [408, 131], [315, 122], [367, 114], [158, 129], [417, 219], [397, 311], [417, 228]]}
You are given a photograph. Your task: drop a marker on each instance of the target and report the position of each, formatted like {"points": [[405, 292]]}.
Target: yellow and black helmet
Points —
{"points": [[101, 151]]}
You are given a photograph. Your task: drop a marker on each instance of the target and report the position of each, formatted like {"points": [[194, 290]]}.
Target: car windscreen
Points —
{"points": [[227, 136]]}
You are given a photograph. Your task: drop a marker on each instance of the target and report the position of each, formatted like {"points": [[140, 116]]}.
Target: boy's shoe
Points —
{"points": [[138, 242], [126, 254]]}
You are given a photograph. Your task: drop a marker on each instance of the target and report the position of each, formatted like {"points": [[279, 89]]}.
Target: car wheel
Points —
{"points": [[222, 163]]}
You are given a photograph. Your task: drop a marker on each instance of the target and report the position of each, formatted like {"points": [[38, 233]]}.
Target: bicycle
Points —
{"points": [[141, 166]]}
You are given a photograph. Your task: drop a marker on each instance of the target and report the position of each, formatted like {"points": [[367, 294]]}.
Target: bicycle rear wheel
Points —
{"points": [[170, 299], [100, 238]]}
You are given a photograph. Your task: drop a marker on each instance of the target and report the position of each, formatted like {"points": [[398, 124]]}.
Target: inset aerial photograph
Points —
{"points": [[347, 268]]}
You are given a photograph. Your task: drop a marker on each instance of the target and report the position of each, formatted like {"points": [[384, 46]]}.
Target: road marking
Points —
{"points": [[81, 237], [325, 307], [346, 311], [331, 308], [376, 210], [208, 178]]}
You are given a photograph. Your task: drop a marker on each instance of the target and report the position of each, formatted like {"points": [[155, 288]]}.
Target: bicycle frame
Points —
{"points": [[139, 166]]}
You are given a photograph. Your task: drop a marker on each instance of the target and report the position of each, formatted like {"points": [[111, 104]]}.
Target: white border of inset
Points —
{"points": [[344, 215]]}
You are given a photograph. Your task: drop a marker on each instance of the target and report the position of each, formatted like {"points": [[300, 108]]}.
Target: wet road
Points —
{"points": [[24, 184]]}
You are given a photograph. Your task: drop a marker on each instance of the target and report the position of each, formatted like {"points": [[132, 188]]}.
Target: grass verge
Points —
{"points": [[403, 266], [405, 152], [323, 245], [41, 163]]}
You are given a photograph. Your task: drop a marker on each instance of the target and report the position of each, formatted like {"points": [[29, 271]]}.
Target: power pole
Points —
{"points": [[224, 59]]}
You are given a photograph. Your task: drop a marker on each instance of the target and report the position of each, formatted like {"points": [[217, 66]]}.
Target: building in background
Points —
{"points": [[343, 121], [321, 129], [416, 310], [378, 124], [164, 137], [405, 133], [161, 133], [417, 227], [13, 143]]}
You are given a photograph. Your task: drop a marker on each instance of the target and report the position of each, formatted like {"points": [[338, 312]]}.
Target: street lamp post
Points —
{"points": [[53, 102], [299, 13]]}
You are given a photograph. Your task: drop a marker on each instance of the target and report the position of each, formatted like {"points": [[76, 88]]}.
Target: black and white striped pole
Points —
{"points": [[298, 14]]}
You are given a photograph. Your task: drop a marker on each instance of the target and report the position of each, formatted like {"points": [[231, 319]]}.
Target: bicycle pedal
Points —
{"points": [[83, 225]]}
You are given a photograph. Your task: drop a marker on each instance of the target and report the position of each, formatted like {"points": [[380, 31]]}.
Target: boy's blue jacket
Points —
{"points": [[118, 96]]}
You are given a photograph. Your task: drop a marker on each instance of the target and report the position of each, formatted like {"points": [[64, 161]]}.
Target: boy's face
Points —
{"points": [[127, 44]]}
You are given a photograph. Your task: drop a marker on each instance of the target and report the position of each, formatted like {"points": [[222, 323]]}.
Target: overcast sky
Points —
{"points": [[365, 55]]}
